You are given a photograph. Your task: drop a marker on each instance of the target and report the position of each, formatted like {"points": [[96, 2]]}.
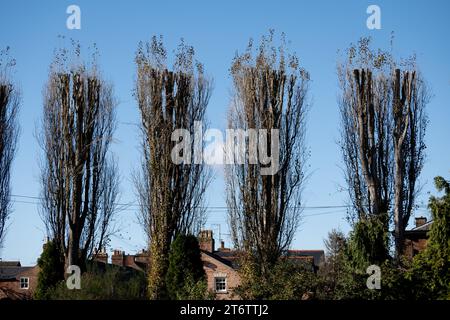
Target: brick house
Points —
{"points": [[220, 272], [416, 239], [17, 282], [220, 265]]}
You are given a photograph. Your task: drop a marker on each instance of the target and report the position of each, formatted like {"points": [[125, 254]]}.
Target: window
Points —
{"points": [[24, 283], [220, 284]]}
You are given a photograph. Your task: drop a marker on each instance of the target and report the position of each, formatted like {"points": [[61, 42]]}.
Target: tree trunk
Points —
{"points": [[398, 205], [159, 252]]}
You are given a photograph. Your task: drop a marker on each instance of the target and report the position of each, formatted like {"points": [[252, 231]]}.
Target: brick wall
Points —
{"points": [[14, 285], [214, 268], [414, 246], [206, 240]]}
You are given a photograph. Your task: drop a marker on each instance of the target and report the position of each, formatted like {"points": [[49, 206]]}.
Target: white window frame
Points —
{"points": [[26, 281], [215, 284]]}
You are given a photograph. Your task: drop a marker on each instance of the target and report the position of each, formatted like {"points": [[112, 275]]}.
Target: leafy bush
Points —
{"points": [[368, 243], [104, 282], [287, 280], [430, 272]]}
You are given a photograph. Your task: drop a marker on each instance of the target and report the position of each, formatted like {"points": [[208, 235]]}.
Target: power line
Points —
{"points": [[41, 198], [323, 213], [207, 207], [217, 209], [25, 202], [128, 209]]}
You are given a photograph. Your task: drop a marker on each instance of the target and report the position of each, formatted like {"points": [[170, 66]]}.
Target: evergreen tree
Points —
{"points": [[185, 276], [51, 270]]}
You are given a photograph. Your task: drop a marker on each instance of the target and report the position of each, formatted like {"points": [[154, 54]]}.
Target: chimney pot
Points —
{"points": [[420, 221], [118, 258], [206, 240]]}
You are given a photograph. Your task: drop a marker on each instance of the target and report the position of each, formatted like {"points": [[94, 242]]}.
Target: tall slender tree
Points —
{"points": [[79, 177], [366, 124], [270, 96], [383, 125], [410, 96], [9, 130], [170, 194]]}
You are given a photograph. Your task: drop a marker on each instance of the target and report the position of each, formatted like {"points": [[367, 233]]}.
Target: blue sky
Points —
{"points": [[217, 29]]}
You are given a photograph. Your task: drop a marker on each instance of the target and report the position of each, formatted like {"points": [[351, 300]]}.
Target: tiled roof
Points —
{"points": [[318, 255], [226, 261], [10, 264], [10, 273]]}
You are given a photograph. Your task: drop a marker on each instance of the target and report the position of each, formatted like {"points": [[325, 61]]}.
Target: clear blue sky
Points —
{"points": [[217, 29]]}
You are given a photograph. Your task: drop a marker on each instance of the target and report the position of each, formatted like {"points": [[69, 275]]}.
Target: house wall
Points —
{"points": [[214, 268], [14, 285], [414, 246]]}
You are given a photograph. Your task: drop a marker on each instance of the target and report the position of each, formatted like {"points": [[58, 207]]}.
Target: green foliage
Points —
{"points": [[194, 290], [331, 273], [368, 243], [343, 275], [105, 282], [51, 270], [430, 271], [351, 283], [287, 280], [426, 277], [333, 266], [185, 277]]}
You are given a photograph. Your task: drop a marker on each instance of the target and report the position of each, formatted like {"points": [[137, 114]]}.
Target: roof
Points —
{"points": [[10, 264], [425, 227], [318, 255], [231, 256], [215, 255], [9, 270], [420, 232]]}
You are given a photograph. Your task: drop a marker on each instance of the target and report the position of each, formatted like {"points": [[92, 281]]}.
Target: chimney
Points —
{"points": [[222, 247], [420, 221], [206, 240], [101, 256], [118, 258]]}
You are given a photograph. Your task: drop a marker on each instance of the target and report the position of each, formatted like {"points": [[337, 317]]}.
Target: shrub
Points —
{"points": [[105, 282]]}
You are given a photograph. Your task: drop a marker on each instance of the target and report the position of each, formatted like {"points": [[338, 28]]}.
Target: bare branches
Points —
{"points": [[79, 178], [270, 94], [9, 131], [410, 120], [366, 141], [170, 195], [383, 125]]}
